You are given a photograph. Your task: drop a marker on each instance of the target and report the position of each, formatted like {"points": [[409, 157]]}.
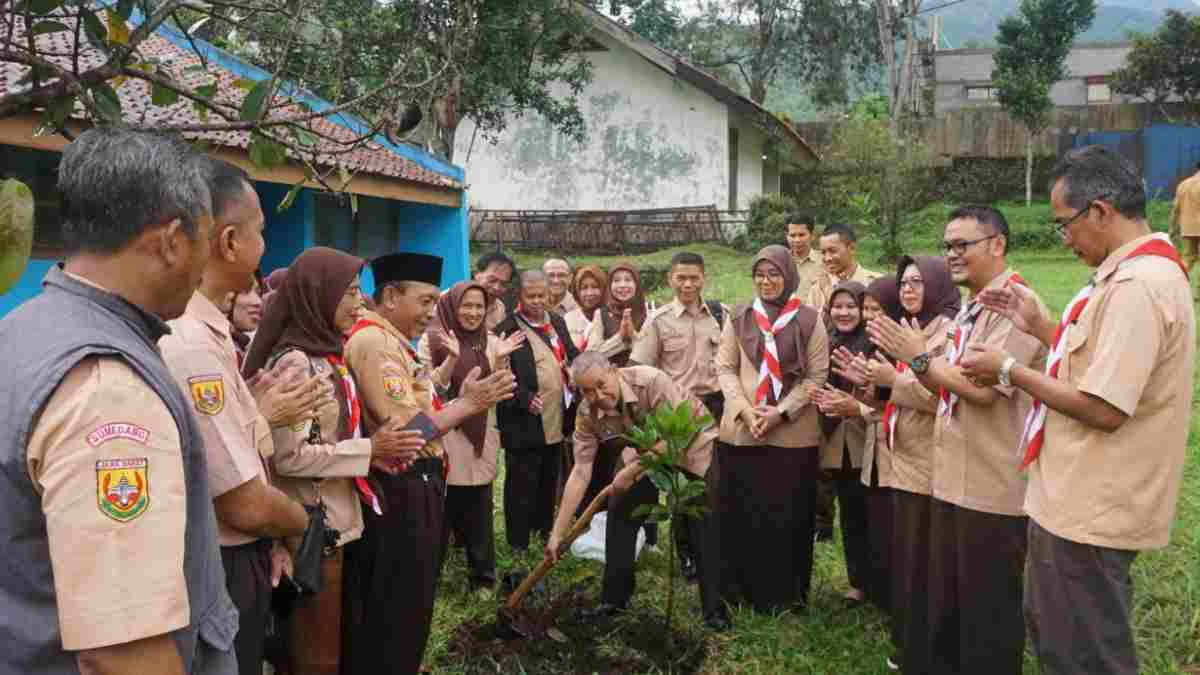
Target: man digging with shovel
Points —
{"points": [[614, 399]]}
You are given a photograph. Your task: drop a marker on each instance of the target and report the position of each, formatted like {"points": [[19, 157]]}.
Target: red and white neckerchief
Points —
{"points": [[964, 325], [354, 410], [1034, 434], [556, 346], [770, 375], [891, 412]]}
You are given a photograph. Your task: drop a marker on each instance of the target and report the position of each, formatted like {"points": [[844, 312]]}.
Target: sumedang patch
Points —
{"points": [[208, 393]]}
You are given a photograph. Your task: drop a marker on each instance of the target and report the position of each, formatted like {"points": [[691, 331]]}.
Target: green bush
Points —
{"points": [[767, 223], [973, 180]]}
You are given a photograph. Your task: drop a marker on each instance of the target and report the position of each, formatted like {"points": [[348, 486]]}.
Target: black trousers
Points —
{"points": [[976, 561], [399, 568], [852, 509], [766, 524], [530, 488], [248, 579], [1079, 605], [825, 509], [469, 516], [910, 581], [880, 539]]}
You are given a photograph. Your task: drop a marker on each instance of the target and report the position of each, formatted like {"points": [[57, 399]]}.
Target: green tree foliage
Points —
{"points": [[662, 439], [1163, 65], [16, 231], [1034, 44]]}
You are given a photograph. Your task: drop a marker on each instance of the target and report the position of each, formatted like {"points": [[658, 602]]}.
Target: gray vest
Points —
{"points": [[42, 340]]}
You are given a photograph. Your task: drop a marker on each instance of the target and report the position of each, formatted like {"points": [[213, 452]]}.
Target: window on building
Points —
{"points": [[982, 94], [369, 233], [1098, 90]]}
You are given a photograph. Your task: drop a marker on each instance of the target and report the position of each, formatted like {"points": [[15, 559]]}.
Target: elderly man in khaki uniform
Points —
{"points": [[681, 340], [1185, 218], [800, 230], [111, 561], [614, 399], [558, 278], [977, 523], [202, 356], [1106, 440], [839, 255]]}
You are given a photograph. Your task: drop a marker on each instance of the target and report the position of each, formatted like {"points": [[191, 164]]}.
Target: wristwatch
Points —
{"points": [[920, 364], [784, 415], [1005, 375]]}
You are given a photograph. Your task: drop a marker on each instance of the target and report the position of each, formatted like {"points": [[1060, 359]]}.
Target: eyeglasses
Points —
{"points": [[768, 276], [1061, 227], [960, 247], [914, 283]]}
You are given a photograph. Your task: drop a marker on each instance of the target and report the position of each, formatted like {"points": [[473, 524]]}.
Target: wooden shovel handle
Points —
{"points": [[547, 562]]}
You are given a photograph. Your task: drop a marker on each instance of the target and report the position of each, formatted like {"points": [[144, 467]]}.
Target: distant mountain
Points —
{"points": [[974, 22]]}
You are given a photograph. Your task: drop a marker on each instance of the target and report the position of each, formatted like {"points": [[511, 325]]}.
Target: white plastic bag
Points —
{"points": [[590, 544]]}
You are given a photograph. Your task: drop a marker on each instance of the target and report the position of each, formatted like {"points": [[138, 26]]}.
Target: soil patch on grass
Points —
{"points": [[559, 640]]}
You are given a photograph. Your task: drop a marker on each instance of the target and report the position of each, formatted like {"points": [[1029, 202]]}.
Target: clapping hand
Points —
{"points": [[447, 341], [903, 340], [506, 346], [1015, 303], [627, 330]]}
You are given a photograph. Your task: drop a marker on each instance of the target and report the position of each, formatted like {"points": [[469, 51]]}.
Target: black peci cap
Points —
{"points": [[395, 267]]}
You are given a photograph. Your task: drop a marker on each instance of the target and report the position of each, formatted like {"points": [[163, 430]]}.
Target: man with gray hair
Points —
{"points": [[614, 399], [111, 561]]}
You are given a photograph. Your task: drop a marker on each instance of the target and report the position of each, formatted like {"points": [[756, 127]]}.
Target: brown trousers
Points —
{"points": [[315, 628], [976, 560]]}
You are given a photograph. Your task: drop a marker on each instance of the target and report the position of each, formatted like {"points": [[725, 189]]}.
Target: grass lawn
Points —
{"points": [[827, 638]]}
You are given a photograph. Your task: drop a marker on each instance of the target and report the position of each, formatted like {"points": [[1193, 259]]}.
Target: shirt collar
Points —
{"points": [[203, 309], [678, 309], [1114, 259]]}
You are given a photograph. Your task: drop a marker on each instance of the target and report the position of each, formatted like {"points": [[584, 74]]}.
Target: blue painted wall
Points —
{"points": [[288, 233], [1164, 153], [29, 285]]}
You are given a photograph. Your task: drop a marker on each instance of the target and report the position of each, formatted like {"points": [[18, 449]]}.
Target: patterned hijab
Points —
{"points": [[596, 274]]}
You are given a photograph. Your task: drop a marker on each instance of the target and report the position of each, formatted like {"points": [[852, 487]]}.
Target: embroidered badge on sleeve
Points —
{"points": [[123, 488], [393, 386], [208, 393]]}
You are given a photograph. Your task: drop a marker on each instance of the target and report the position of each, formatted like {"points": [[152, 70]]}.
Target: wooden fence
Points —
{"points": [[602, 232], [991, 133]]}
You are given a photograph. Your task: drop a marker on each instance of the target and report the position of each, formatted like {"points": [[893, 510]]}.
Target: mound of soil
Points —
{"points": [[559, 640]]}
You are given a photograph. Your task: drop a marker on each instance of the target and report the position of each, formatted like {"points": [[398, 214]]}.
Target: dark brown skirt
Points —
{"points": [[765, 517]]}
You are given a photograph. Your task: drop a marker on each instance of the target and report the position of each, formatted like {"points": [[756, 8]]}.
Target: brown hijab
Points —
{"points": [[596, 274], [472, 353], [942, 297], [616, 308], [792, 339], [856, 341], [301, 315], [886, 291]]}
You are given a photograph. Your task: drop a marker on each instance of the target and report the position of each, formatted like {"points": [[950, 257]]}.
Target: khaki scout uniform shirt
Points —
{"points": [[549, 383], [975, 455], [852, 437], [876, 456], [642, 390], [912, 455], [811, 269], [577, 326], [467, 467], [1186, 210], [683, 344], [1135, 347], [203, 358], [739, 380], [391, 382], [116, 581], [303, 469], [495, 315], [565, 305], [823, 287]]}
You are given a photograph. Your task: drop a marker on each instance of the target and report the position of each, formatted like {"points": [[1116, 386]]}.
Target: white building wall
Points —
{"points": [[751, 147], [653, 142]]}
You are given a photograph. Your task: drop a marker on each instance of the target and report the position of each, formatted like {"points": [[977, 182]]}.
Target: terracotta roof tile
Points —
{"points": [[369, 158]]}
